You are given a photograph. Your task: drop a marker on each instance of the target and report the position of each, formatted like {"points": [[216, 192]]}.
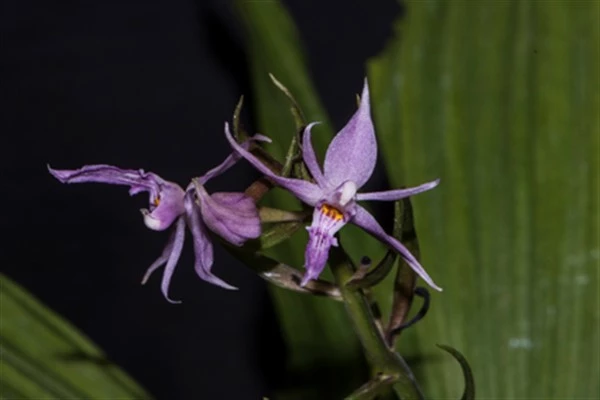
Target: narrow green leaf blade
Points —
{"points": [[43, 356]]}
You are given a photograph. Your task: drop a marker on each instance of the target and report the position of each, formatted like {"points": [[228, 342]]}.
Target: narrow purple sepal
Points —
{"points": [[352, 153], [203, 247], [365, 220], [305, 191], [393, 195], [160, 261], [310, 158], [166, 198], [173, 259], [231, 160]]}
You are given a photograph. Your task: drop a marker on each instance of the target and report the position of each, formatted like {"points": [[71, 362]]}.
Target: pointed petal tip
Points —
{"points": [[173, 301], [56, 173]]}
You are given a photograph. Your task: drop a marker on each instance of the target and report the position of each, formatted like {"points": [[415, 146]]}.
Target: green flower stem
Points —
{"points": [[383, 360]]}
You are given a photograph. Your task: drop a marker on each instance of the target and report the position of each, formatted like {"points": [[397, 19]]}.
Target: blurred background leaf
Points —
{"points": [[500, 99], [44, 357]]}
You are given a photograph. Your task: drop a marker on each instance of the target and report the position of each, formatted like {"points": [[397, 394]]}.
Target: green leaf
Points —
{"points": [[500, 100], [43, 356]]}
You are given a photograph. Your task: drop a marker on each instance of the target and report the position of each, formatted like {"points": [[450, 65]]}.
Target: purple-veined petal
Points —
{"points": [[231, 160], [365, 220], [353, 151], [203, 248], [327, 221], [233, 216], [178, 240], [393, 195], [166, 198], [307, 192], [310, 158]]}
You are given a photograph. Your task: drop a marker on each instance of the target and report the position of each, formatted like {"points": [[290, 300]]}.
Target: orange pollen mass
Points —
{"points": [[156, 201], [332, 212]]}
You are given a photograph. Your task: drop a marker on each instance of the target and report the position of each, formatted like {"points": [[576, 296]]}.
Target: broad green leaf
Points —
{"points": [[45, 357], [500, 99]]}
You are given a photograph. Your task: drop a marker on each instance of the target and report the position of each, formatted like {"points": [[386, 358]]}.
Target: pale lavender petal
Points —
{"points": [[166, 207], [393, 195], [310, 158], [160, 261], [308, 192], [353, 151], [231, 160], [173, 259], [327, 221], [365, 220], [166, 198], [233, 216], [203, 248], [137, 180]]}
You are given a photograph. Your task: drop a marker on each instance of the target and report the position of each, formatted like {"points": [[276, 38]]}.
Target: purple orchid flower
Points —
{"points": [[233, 216], [349, 163]]}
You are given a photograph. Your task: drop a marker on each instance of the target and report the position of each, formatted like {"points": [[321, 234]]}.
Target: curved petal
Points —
{"points": [[353, 151], [203, 248], [137, 180], [160, 261], [233, 216], [231, 160], [365, 220], [304, 190], [310, 158], [166, 207], [393, 195], [166, 198], [178, 240]]}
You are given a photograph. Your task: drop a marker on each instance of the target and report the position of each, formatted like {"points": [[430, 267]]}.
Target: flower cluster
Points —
{"points": [[333, 192]]}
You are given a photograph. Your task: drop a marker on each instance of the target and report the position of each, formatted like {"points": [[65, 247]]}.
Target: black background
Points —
{"points": [[148, 84]]}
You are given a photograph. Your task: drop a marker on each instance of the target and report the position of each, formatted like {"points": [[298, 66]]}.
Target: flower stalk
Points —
{"points": [[383, 360]]}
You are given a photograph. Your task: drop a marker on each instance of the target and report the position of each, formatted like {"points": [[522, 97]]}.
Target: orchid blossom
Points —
{"points": [[233, 216], [349, 163]]}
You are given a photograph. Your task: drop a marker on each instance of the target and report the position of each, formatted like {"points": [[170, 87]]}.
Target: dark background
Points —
{"points": [[148, 85]]}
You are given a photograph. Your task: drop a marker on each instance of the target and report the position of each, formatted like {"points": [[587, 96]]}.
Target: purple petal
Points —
{"points": [[365, 220], [178, 240], [305, 191], [327, 221], [310, 158], [233, 216], [137, 180], [203, 247], [160, 261], [170, 207], [231, 160], [166, 198], [393, 195], [353, 151]]}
